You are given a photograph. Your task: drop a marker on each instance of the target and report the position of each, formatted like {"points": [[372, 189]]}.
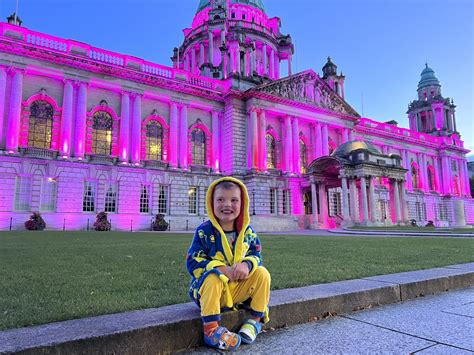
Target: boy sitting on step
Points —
{"points": [[226, 268]]}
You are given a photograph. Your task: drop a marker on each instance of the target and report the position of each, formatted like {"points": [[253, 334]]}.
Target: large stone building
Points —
{"points": [[84, 130]]}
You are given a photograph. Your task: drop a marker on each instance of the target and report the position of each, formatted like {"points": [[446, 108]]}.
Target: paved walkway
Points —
{"points": [[439, 324]]}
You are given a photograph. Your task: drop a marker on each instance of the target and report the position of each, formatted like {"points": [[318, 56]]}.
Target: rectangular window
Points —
{"points": [[22, 193], [193, 200], [163, 199], [145, 199], [335, 202], [286, 201], [110, 205], [48, 195], [273, 206], [88, 199]]}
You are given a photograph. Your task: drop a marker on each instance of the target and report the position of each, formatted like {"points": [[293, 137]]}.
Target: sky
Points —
{"points": [[381, 46]]}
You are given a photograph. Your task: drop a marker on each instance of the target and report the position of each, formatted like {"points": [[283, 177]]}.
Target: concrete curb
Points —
{"points": [[172, 328]]}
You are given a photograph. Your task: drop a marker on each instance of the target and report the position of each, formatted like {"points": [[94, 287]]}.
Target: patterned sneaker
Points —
{"points": [[223, 339], [249, 331]]}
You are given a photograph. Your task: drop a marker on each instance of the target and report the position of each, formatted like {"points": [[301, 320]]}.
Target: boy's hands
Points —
{"points": [[236, 272]]}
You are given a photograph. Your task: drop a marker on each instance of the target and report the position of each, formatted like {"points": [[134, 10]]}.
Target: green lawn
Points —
{"points": [[52, 276]]}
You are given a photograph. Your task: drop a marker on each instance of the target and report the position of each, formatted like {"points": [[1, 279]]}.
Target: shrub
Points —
{"points": [[430, 224], [102, 223], [35, 223], [413, 222], [160, 224]]}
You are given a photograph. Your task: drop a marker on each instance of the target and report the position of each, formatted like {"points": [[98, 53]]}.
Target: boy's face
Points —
{"points": [[227, 205]]}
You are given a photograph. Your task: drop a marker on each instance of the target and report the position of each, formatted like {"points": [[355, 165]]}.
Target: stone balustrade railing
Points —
{"points": [[14, 33]]}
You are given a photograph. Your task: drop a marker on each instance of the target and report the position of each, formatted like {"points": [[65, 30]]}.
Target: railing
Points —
{"points": [[40, 153], [71, 47]]}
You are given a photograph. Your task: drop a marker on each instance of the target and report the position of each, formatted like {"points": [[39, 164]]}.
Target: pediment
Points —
{"points": [[309, 88]]}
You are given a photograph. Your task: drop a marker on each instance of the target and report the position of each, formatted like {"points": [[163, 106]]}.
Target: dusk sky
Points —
{"points": [[381, 46]]}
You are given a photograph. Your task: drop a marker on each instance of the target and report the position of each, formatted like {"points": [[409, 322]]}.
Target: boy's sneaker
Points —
{"points": [[249, 331], [222, 339]]}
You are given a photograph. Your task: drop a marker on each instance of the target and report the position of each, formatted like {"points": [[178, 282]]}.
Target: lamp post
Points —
{"points": [[253, 200]]}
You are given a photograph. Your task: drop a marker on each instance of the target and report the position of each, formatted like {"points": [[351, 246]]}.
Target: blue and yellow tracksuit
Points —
{"points": [[210, 249]]}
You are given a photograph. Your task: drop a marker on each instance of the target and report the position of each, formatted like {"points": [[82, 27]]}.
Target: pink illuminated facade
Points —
{"points": [[85, 130]]}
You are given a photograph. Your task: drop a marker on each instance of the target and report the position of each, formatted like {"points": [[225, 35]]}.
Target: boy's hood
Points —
{"points": [[242, 221]]}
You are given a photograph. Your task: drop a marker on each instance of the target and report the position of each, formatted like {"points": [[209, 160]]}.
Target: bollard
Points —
{"points": [[87, 224], [131, 225], [187, 224], [64, 224], [169, 225], [110, 220], [151, 225], [11, 222]]}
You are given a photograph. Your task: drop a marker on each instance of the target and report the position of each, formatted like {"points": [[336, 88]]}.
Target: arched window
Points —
{"points": [[102, 133], [198, 142], [431, 178], [331, 146], [414, 177], [303, 157], [40, 125], [271, 152], [154, 141]]}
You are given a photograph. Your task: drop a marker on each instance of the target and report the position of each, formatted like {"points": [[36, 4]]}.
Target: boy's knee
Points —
{"points": [[212, 280], [262, 274]]}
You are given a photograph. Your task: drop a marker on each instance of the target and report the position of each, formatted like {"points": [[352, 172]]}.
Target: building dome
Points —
{"points": [[255, 3], [428, 78], [347, 148]]}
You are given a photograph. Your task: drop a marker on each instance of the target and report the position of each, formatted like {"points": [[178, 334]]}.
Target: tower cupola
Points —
{"points": [[432, 113], [330, 76]]}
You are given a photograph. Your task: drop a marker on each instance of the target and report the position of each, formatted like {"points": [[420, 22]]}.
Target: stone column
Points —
{"points": [[277, 66], [319, 140], [323, 204], [211, 48], [288, 145], [193, 60], [372, 203], [353, 200], [66, 119], [3, 88], [396, 195], [174, 130], [183, 138], [254, 138], [225, 63], [263, 141], [325, 140], [466, 174], [237, 60], [201, 54], [296, 146], [403, 198], [445, 172], [314, 204], [14, 113], [136, 129], [289, 65], [365, 207], [264, 59], [272, 64], [345, 135], [436, 173], [254, 58], [124, 148], [216, 134], [345, 201]]}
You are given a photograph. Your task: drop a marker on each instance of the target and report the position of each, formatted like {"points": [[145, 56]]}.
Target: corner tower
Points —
{"points": [[330, 76], [432, 113], [234, 38]]}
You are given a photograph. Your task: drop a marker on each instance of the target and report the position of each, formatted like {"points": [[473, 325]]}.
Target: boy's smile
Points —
{"points": [[227, 203]]}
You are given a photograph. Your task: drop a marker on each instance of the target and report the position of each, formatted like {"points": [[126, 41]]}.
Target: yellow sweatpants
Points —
{"points": [[256, 286]]}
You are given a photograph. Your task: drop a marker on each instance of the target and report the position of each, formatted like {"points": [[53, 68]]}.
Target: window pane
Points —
{"points": [[154, 141], [271, 154], [192, 198], [48, 195], [145, 199], [303, 160], [102, 133], [163, 200], [111, 199], [40, 125], [22, 193], [198, 141], [88, 200]]}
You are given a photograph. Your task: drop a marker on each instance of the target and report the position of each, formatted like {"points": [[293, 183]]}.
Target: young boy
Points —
{"points": [[225, 264]]}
